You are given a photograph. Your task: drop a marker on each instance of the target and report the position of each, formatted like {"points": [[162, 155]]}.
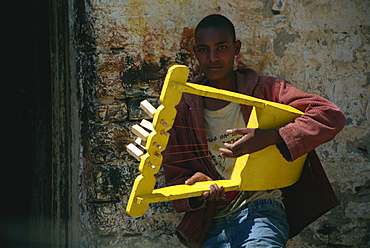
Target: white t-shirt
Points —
{"points": [[216, 123]]}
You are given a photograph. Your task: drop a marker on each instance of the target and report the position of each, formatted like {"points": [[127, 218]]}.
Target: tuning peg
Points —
{"points": [[134, 151], [147, 124], [148, 108], [140, 132], [140, 142]]}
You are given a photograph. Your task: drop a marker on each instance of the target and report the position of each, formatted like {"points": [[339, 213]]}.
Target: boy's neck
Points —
{"points": [[228, 83], [225, 84]]}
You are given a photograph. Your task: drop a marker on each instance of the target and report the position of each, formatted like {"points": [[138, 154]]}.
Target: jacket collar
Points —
{"points": [[246, 79]]}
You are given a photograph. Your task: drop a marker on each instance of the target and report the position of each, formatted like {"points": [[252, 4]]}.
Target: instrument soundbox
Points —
{"points": [[262, 170]]}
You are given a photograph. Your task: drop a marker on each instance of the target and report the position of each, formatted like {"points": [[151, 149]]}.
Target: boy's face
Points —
{"points": [[215, 50]]}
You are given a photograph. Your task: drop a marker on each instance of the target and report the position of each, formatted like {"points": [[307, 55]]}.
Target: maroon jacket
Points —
{"points": [[305, 201]]}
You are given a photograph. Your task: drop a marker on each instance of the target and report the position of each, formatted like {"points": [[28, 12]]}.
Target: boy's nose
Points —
{"points": [[212, 55]]}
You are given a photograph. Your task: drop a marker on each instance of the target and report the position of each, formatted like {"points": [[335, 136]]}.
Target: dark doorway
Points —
{"points": [[25, 119]]}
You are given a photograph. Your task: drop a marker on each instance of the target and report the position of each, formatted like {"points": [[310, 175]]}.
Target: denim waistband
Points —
{"points": [[252, 207]]}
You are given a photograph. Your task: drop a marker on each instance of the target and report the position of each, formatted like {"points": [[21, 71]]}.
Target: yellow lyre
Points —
{"points": [[262, 170]]}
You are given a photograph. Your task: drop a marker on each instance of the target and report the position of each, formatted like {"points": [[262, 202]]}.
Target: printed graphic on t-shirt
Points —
{"points": [[224, 166]]}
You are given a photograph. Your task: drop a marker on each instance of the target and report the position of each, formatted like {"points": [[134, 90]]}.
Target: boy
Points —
{"points": [[244, 219]]}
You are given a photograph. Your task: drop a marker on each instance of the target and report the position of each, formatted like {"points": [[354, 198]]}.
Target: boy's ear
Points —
{"points": [[238, 45]]}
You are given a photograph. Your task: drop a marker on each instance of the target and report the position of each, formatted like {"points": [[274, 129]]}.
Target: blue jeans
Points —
{"points": [[260, 223]]}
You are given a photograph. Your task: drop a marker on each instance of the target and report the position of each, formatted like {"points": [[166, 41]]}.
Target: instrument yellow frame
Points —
{"points": [[262, 170]]}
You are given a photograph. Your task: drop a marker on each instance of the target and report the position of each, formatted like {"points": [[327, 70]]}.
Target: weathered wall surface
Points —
{"points": [[125, 49]]}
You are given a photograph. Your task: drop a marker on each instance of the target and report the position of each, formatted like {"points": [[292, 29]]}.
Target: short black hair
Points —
{"points": [[216, 21]]}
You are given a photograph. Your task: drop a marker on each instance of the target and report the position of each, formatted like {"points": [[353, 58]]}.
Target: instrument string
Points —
{"points": [[199, 128], [186, 160], [182, 152], [188, 152], [192, 145]]}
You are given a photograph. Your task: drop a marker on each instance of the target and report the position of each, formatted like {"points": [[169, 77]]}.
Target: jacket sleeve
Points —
{"points": [[180, 162], [321, 121], [176, 172]]}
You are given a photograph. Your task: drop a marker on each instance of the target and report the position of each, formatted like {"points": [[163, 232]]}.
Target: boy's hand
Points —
{"points": [[253, 140], [214, 192]]}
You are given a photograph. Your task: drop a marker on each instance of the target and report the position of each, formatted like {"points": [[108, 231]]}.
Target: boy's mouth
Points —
{"points": [[213, 67]]}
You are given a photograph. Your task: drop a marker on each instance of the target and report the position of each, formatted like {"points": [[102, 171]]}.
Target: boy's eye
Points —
{"points": [[202, 50], [222, 47]]}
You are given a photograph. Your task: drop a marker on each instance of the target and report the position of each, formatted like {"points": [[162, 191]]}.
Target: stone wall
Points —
{"points": [[124, 51]]}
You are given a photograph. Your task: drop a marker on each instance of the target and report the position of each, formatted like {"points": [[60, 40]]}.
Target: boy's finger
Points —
{"points": [[204, 196], [240, 131], [193, 179]]}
